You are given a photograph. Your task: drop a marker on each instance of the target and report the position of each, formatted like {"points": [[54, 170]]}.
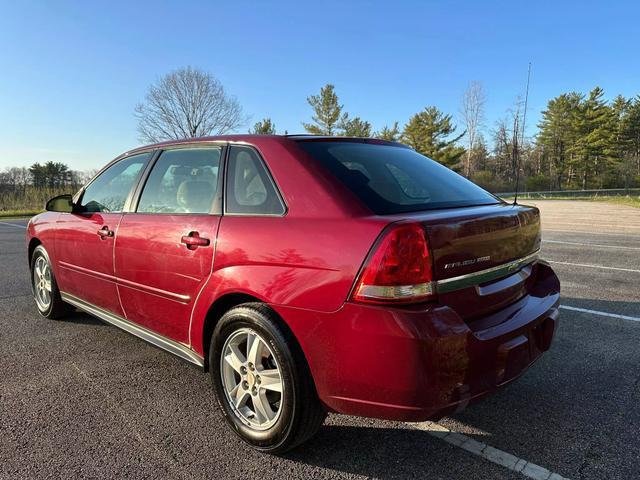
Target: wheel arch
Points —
{"points": [[231, 300], [217, 309], [33, 243]]}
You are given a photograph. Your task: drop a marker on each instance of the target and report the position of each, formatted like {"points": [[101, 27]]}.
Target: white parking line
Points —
{"points": [[598, 312], [595, 266], [591, 244], [614, 225], [582, 232], [488, 452], [13, 225]]}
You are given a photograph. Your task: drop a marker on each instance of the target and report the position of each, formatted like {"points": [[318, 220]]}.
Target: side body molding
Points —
{"points": [[182, 351]]}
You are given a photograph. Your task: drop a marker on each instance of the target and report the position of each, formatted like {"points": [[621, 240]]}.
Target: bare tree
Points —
{"points": [[187, 103], [15, 177], [472, 112]]}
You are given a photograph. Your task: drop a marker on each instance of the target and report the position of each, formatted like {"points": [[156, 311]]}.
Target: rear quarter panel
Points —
{"points": [[300, 263], [308, 258]]}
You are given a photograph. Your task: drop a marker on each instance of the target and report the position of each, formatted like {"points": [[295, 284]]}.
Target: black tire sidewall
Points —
{"points": [[247, 317]]}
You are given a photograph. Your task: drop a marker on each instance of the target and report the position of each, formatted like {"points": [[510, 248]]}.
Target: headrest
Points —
{"points": [[195, 196]]}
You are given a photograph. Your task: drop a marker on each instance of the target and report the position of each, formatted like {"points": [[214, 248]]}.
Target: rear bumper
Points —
{"points": [[421, 363]]}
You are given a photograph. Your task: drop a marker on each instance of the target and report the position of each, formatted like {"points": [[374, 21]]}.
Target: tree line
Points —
{"points": [[41, 175], [583, 141], [28, 188], [586, 142]]}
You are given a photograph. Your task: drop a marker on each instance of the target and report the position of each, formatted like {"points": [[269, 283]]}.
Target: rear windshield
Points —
{"points": [[393, 179]]}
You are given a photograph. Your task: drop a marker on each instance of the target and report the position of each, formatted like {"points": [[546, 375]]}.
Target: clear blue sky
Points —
{"points": [[72, 72]]}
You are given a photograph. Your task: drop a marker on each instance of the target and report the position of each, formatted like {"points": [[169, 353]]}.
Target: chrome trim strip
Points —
{"points": [[86, 271], [159, 341], [476, 278], [176, 297]]}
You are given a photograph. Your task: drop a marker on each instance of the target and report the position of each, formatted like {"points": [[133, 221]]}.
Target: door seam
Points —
{"points": [[115, 274], [206, 282]]}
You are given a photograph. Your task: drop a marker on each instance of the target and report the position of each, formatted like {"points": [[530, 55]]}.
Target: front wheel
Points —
{"points": [[44, 286], [262, 381]]}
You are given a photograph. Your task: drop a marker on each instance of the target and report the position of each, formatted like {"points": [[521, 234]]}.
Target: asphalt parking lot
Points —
{"points": [[79, 398]]}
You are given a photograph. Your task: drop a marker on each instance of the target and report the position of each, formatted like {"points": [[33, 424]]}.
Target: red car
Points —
{"points": [[306, 274]]}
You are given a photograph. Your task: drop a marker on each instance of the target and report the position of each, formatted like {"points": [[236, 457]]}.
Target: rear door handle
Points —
{"points": [[104, 232], [194, 240]]}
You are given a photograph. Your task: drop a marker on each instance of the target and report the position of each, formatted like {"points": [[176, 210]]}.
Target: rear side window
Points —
{"points": [[393, 179], [109, 191], [250, 189], [182, 181]]}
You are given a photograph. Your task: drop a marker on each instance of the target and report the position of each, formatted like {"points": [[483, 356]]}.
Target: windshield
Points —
{"points": [[393, 179]]}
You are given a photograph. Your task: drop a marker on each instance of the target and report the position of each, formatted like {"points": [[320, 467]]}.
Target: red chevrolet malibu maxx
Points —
{"points": [[306, 274]]}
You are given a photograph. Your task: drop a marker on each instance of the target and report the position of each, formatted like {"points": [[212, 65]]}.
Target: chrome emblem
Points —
{"points": [[466, 263]]}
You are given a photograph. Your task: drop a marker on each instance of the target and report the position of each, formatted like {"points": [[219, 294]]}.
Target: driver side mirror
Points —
{"points": [[61, 203]]}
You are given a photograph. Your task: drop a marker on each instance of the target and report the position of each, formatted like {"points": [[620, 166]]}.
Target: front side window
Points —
{"points": [[182, 181], [109, 191], [250, 190]]}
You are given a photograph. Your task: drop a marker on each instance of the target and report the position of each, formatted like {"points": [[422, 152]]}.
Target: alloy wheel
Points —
{"points": [[251, 379], [42, 287]]}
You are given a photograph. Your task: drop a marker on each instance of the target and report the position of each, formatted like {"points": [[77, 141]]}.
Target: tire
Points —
{"points": [[297, 411], [42, 277]]}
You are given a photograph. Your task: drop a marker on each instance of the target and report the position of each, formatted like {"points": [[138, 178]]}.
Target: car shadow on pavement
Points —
{"points": [[82, 318], [552, 415], [396, 451], [555, 413]]}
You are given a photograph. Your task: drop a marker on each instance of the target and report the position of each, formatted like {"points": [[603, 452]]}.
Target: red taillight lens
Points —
{"points": [[399, 270]]}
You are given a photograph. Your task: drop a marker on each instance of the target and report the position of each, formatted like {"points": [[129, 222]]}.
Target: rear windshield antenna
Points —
{"points": [[524, 120]]}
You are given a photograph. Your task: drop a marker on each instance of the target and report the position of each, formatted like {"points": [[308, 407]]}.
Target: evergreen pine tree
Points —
{"points": [[355, 127], [389, 134], [431, 133], [264, 127], [328, 114]]}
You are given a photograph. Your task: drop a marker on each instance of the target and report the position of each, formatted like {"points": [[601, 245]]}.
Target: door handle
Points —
{"points": [[194, 240], [104, 232]]}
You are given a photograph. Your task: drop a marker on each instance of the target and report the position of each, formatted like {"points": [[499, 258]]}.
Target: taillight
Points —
{"points": [[398, 270]]}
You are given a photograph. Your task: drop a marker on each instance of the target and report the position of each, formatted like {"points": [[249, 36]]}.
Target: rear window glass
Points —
{"points": [[393, 179], [250, 190]]}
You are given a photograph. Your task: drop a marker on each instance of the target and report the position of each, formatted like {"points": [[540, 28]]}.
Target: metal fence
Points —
{"points": [[612, 192]]}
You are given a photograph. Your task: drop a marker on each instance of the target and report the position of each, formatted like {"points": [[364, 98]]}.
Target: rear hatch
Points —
{"points": [[468, 230], [481, 255]]}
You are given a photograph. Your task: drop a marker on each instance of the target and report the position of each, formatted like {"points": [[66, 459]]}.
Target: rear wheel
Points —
{"points": [[262, 381], [44, 286]]}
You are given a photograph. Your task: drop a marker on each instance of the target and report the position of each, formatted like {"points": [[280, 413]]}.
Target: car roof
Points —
{"points": [[302, 137], [256, 139]]}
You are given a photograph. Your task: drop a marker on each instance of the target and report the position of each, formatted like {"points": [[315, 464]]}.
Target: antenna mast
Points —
{"points": [[524, 120]]}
